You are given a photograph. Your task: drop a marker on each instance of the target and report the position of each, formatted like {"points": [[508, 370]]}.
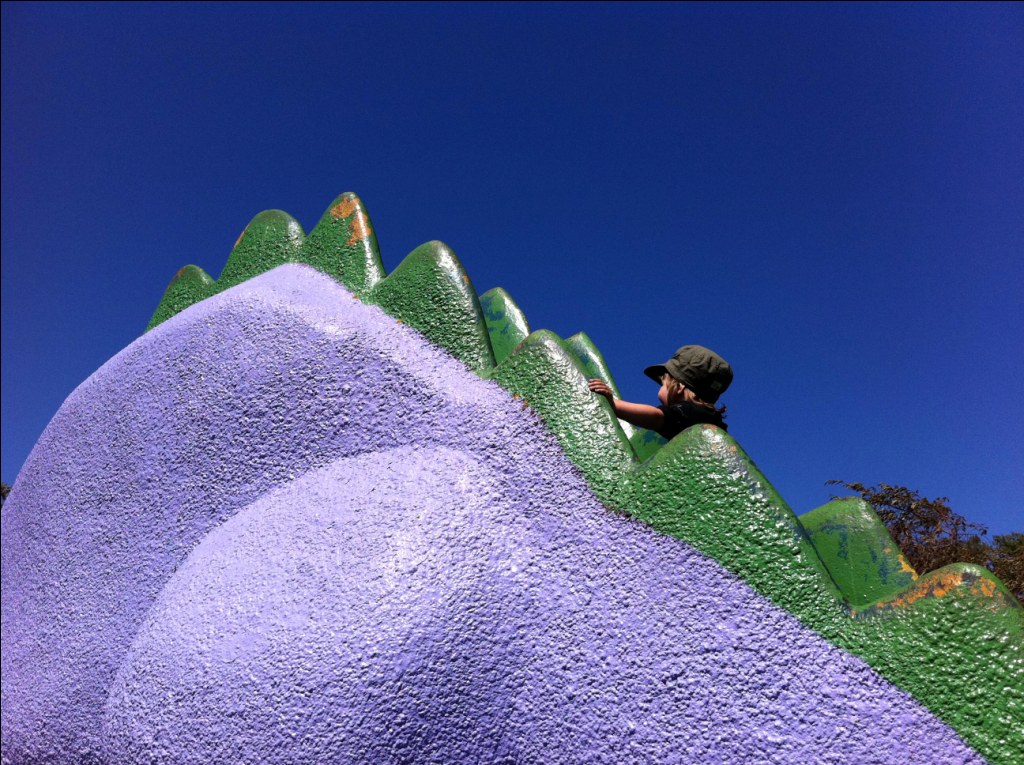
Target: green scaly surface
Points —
{"points": [[344, 245], [273, 237], [595, 366], [547, 376], [953, 638], [858, 552], [431, 292], [506, 323], [646, 443], [190, 285]]}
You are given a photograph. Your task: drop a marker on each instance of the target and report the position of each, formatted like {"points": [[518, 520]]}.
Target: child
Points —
{"points": [[691, 382]]}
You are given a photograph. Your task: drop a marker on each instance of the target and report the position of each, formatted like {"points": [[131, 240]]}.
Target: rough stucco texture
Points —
{"points": [[283, 528]]}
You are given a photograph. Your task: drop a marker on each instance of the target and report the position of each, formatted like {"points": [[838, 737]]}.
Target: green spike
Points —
{"points": [[273, 237], [344, 245], [855, 546], [431, 292], [962, 580], [595, 366], [592, 360], [702, 488], [645, 443], [190, 285], [546, 375], [506, 322]]}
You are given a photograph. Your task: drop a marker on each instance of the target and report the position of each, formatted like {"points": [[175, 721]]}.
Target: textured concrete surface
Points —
{"points": [[954, 639], [190, 285], [546, 374], [282, 527], [507, 326], [594, 365], [853, 543], [272, 238], [344, 245], [431, 291]]}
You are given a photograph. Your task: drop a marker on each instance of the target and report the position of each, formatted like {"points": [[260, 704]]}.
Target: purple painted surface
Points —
{"points": [[281, 527]]}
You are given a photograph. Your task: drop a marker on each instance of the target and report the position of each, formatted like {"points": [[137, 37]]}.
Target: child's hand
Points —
{"points": [[641, 415], [601, 388]]}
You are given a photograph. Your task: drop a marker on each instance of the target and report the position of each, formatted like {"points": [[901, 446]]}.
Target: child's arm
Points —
{"points": [[641, 415]]}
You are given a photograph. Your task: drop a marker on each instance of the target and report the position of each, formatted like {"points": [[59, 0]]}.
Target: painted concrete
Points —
{"points": [[506, 323], [272, 238], [344, 245], [190, 285], [954, 638], [853, 543], [283, 527], [431, 291]]}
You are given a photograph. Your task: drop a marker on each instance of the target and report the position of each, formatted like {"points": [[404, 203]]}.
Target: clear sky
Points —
{"points": [[830, 196]]}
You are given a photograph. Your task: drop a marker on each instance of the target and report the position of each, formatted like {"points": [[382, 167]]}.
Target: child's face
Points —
{"points": [[664, 395], [669, 396]]}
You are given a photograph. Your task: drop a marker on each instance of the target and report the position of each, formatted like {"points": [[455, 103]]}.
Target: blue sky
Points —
{"points": [[831, 196]]}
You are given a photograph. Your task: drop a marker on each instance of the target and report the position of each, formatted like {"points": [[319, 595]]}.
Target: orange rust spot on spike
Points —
{"points": [[240, 237], [984, 588], [905, 565], [344, 208], [360, 228], [181, 272], [936, 586], [465, 278]]}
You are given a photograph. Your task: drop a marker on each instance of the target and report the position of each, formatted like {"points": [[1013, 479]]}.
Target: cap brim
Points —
{"points": [[656, 372]]}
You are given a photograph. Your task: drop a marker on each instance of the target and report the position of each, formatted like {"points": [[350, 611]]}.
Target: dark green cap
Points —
{"points": [[698, 368]]}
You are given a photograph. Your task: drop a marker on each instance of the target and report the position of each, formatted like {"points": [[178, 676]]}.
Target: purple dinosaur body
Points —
{"points": [[281, 527]]}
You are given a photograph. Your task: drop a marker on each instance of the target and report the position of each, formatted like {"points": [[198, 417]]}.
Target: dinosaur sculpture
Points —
{"points": [[248, 538]]}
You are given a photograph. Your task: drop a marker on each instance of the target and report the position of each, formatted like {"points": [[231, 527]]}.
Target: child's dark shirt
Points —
{"points": [[680, 416]]}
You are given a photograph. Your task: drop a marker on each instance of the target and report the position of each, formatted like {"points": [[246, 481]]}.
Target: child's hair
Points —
{"points": [[688, 395]]}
